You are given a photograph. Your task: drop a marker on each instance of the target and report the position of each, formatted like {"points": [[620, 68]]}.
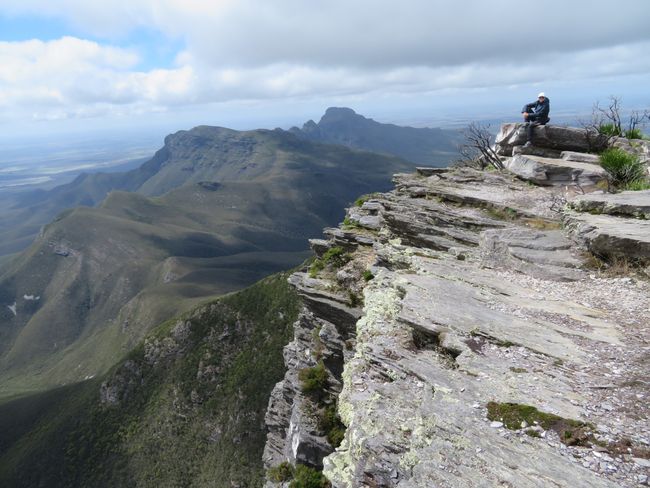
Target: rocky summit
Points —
{"points": [[463, 330]]}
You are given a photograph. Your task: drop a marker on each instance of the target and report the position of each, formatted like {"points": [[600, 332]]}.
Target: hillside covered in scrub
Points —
{"points": [[184, 408]]}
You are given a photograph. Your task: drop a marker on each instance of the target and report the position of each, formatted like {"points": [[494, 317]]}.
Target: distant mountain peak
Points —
{"points": [[344, 126], [340, 112]]}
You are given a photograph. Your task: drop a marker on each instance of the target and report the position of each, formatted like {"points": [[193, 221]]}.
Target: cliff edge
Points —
{"points": [[463, 330]]}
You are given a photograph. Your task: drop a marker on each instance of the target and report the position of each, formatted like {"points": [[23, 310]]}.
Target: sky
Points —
{"points": [[77, 66]]}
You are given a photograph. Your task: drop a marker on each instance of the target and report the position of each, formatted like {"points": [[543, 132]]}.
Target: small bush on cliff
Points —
{"points": [[623, 167], [306, 477], [334, 257], [611, 130], [316, 267], [609, 120], [314, 380], [281, 472], [330, 422], [350, 224]]}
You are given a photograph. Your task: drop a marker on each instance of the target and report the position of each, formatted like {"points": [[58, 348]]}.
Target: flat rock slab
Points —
{"points": [[610, 236], [555, 172], [580, 157], [536, 151], [542, 254], [480, 189], [628, 203]]}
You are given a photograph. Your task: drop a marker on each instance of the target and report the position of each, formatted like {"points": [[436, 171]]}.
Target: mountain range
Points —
{"points": [[23, 214], [214, 210]]}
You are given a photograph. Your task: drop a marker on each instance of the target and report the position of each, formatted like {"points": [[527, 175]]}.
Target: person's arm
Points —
{"points": [[527, 107]]}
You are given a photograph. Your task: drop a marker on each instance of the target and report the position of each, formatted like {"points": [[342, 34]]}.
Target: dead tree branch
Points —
{"points": [[477, 151]]}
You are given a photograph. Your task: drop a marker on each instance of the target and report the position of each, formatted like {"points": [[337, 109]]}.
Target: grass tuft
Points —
{"points": [[637, 185], [623, 167], [609, 130], [633, 134]]}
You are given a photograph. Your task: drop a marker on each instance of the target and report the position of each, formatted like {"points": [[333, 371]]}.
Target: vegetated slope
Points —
{"points": [[232, 207], [425, 146], [186, 408], [23, 214]]}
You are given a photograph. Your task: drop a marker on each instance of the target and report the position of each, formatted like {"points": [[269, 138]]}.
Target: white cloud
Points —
{"points": [[254, 50]]}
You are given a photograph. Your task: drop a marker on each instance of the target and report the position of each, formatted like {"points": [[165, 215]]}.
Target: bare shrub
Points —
{"points": [[478, 151]]}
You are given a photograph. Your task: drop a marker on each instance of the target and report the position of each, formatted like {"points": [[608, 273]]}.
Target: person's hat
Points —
{"points": [[541, 95]]}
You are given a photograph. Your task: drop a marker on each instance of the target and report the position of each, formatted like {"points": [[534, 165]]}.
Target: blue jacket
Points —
{"points": [[538, 110]]}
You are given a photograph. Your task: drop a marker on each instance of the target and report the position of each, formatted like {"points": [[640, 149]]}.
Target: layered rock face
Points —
{"points": [[549, 137], [469, 341]]}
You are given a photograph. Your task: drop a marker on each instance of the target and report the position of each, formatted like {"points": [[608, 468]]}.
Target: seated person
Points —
{"points": [[535, 113]]}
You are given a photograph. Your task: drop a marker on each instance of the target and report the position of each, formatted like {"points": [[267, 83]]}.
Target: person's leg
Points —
{"points": [[529, 130]]}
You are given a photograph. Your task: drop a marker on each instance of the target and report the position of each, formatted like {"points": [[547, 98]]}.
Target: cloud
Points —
{"points": [[257, 50], [381, 33]]}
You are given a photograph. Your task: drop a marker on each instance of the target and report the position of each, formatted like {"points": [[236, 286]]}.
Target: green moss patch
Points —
{"points": [[571, 432]]}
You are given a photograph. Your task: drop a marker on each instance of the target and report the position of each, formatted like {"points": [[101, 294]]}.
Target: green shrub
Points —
{"points": [[367, 275], [314, 380], [336, 257], [350, 224], [330, 422], [306, 477], [609, 130], [634, 134], [623, 167], [281, 472], [316, 267]]}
